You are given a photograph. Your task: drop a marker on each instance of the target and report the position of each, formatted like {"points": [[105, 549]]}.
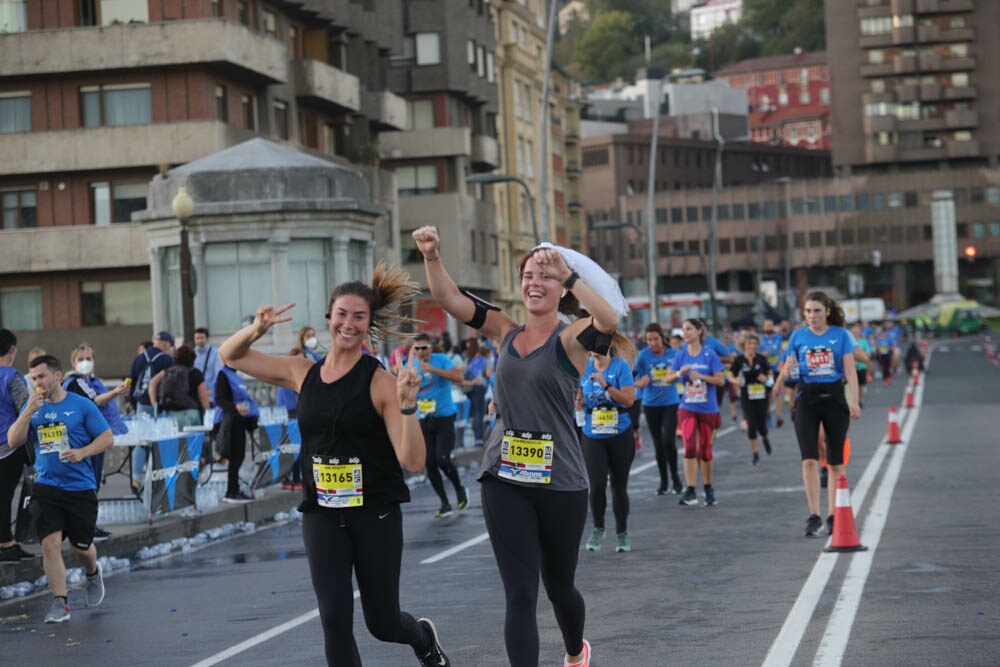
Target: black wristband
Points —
{"points": [[408, 411], [571, 280]]}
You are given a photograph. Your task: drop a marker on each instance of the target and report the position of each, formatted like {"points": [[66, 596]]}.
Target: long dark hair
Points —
{"points": [[834, 313], [390, 289], [700, 325]]}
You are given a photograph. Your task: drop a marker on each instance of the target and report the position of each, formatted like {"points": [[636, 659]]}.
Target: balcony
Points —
{"points": [[904, 64], [315, 80], [875, 41], [386, 110], [943, 6], [573, 167], [865, 12], [574, 204], [957, 119], [960, 149], [877, 69], [880, 153], [434, 142], [485, 151], [930, 91], [960, 92], [219, 42], [901, 7], [876, 124], [903, 35], [930, 61], [73, 248], [116, 147], [958, 64], [921, 124], [924, 153], [906, 93]]}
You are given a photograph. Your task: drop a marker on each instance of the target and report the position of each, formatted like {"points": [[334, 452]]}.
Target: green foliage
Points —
{"points": [[605, 47], [652, 17], [782, 25]]}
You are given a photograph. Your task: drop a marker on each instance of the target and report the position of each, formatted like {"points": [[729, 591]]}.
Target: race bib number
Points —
{"points": [[526, 457], [883, 349], [819, 362], [52, 438], [772, 359], [659, 376], [338, 485], [756, 391], [696, 392], [604, 421], [427, 406]]}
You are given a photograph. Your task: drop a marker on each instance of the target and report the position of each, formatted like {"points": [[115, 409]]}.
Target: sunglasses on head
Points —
{"points": [[421, 347]]}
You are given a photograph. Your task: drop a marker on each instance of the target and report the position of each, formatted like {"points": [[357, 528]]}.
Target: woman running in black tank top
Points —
{"points": [[358, 425]]}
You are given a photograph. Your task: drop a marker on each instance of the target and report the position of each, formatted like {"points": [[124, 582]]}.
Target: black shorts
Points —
{"points": [[74, 513], [862, 377]]}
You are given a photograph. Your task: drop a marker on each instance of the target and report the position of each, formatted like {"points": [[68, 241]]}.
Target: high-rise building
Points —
{"points": [[914, 83]]}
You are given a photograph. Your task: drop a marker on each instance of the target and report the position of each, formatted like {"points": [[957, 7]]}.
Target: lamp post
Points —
{"points": [[655, 75], [183, 207], [789, 301], [486, 179], [762, 169]]}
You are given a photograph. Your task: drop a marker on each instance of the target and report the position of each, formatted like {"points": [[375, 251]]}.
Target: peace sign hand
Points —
{"points": [[408, 383], [267, 316]]}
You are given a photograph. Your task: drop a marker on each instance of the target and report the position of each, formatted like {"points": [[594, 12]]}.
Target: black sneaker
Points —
{"points": [[237, 498], [435, 657], [813, 525], [689, 497], [678, 488], [662, 489], [829, 525], [767, 446], [780, 422], [710, 498], [14, 553], [824, 477], [463, 499], [443, 512], [101, 535], [756, 458]]}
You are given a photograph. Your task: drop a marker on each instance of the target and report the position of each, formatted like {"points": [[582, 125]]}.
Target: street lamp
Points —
{"points": [[655, 76], [487, 179], [183, 207]]}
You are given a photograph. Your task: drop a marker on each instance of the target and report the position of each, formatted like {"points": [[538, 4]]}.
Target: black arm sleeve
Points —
{"points": [[593, 340]]}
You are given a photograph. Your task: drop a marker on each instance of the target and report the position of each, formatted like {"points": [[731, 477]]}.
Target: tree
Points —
{"points": [[652, 17], [730, 43], [782, 25], [605, 47]]}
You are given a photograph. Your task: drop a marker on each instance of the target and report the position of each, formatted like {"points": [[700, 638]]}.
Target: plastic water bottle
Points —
{"points": [[581, 417]]}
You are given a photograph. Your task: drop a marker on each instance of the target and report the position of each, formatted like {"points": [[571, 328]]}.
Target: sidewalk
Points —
{"points": [[127, 539]]}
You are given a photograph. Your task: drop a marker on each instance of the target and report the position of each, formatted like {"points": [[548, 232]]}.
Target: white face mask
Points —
{"points": [[84, 367], [311, 343]]}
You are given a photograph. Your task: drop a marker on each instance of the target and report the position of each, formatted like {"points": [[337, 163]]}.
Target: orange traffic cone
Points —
{"points": [[915, 374], [893, 438], [845, 532], [909, 395]]}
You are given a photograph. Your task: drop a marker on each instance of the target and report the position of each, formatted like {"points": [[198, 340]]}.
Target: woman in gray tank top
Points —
{"points": [[534, 481]]}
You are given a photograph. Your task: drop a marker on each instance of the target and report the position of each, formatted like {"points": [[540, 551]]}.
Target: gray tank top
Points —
{"points": [[534, 442]]}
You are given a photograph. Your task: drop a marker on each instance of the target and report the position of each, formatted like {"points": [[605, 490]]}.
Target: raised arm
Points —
{"points": [[446, 292], [283, 371], [393, 395]]}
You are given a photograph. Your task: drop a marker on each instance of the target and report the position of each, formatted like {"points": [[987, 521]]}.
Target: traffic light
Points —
{"points": [[970, 253]]}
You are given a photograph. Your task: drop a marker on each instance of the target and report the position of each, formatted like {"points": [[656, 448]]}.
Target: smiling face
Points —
{"points": [[749, 347], [540, 293], [349, 321]]}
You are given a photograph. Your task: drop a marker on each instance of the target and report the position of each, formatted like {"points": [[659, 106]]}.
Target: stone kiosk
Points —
{"points": [[271, 224]]}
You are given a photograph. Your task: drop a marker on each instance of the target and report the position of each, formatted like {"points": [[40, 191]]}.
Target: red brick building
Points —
{"points": [[789, 98]]}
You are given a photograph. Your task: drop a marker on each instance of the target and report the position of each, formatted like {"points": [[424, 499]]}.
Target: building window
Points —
{"points": [[271, 23], [281, 119], [829, 204], [15, 110], [490, 69], [911, 199], [13, 16], [115, 202], [481, 62], [237, 277], [419, 115], [517, 100], [125, 104], [691, 215], [804, 96], [216, 8], [978, 230], [529, 158], [307, 279], [846, 203], [21, 308], [115, 12], [993, 194], [470, 54], [520, 156], [329, 139], [661, 216], [248, 103], [995, 228], [417, 180], [428, 46], [895, 200], [739, 212], [20, 209], [115, 303], [243, 11], [221, 107]]}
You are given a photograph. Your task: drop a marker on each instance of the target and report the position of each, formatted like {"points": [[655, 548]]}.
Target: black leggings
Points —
{"points": [[237, 453], [532, 530], [833, 414], [439, 437], [756, 414], [612, 455], [662, 421], [341, 540], [10, 474]]}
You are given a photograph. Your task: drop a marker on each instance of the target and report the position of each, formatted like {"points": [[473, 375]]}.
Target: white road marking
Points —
{"points": [[455, 549]]}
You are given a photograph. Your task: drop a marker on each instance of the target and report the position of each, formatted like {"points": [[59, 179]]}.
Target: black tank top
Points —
{"points": [[338, 419]]}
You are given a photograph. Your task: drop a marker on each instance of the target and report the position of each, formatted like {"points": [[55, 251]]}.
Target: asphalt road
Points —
{"points": [[735, 584]]}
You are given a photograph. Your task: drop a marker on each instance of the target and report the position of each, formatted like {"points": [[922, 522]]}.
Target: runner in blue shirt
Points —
{"points": [[660, 401], [66, 430], [770, 346], [608, 444], [824, 353], [437, 419], [697, 367]]}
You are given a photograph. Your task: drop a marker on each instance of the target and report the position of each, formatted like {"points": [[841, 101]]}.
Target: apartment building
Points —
{"points": [[789, 98], [97, 97]]}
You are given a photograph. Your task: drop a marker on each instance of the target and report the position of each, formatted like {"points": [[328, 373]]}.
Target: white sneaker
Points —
{"points": [[95, 588], [58, 613]]}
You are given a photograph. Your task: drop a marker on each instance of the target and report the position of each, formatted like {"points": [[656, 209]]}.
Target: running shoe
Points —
{"points": [[584, 660], [287, 486], [95, 588], [443, 512], [58, 613], [237, 498], [829, 525], [101, 535], [710, 498], [662, 489], [678, 487], [623, 543], [435, 657], [780, 422], [14, 553], [767, 445], [689, 497], [594, 543], [813, 525], [756, 458], [463, 498], [824, 477]]}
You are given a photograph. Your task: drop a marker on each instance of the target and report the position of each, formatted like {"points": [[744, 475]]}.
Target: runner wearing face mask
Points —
{"points": [[308, 343]]}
